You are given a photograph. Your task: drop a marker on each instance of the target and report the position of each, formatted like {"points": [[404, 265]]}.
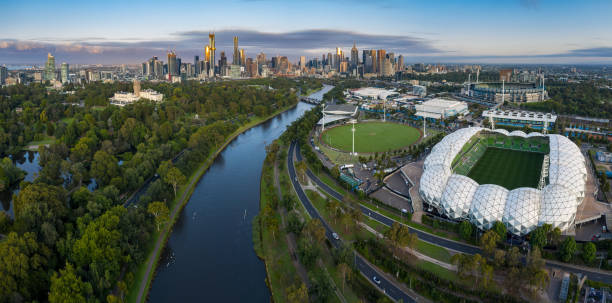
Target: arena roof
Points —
{"points": [[374, 93], [521, 209], [520, 115], [340, 109]]}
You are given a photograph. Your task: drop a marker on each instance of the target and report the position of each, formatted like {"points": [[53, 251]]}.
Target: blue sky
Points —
{"points": [[504, 31]]}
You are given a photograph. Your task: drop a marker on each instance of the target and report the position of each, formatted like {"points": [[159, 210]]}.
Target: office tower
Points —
{"points": [[196, 65], [50, 68], [242, 57], [400, 63], [213, 49], [381, 54], [302, 62], [3, 74], [261, 59], [172, 65], [179, 63], [387, 67], [236, 59], [222, 61], [374, 66], [64, 72], [354, 56], [251, 67]]}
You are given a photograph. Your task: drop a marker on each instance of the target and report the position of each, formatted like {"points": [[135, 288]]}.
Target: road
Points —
{"points": [[592, 274], [362, 265]]}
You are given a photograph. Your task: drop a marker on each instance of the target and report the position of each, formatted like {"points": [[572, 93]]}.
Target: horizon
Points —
{"points": [[478, 32]]}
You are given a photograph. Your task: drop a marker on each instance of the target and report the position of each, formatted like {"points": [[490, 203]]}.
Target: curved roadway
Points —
{"points": [[592, 274], [363, 266]]}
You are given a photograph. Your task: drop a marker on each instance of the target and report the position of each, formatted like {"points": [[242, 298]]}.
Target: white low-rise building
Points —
{"points": [[374, 93], [125, 98], [440, 108]]}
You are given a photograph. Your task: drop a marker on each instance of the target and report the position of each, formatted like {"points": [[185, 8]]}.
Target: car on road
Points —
{"points": [[295, 179], [596, 237], [335, 236], [376, 280]]}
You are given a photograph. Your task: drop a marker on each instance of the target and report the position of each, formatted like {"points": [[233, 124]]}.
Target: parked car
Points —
{"points": [[335, 236]]}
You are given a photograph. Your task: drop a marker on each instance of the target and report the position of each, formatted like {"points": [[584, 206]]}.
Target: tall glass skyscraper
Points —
{"points": [[64, 72], [50, 68]]}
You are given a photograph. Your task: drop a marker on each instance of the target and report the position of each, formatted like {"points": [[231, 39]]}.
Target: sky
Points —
{"points": [[445, 31]]}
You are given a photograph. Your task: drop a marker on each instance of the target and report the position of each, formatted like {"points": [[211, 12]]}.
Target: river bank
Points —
{"points": [[145, 274]]}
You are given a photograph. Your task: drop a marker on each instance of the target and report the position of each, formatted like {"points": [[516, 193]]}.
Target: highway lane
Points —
{"points": [[594, 275], [368, 271]]}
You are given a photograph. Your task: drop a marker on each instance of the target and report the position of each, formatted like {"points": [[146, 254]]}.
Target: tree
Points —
{"points": [[345, 272], [104, 167], [37, 204], [488, 242], [568, 249], [538, 237], [175, 178], [297, 294], [160, 211], [555, 236], [499, 257], [301, 169], [68, 287], [465, 230], [486, 272], [589, 252], [500, 229], [314, 231], [22, 268], [513, 257], [333, 208]]}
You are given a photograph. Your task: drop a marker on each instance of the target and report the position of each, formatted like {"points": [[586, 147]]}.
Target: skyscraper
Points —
{"points": [[3, 74], [196, 65], [172, 64], [236, 59], [242, 61], [381, 54], [302, 62], [354, 56], [64, 72], [50, 68], [400, 63], [213, 49]]}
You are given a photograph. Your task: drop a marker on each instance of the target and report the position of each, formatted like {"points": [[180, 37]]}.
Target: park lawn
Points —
{"points": [[434, 251], [371, 137], [508, 168], [67, 120]]}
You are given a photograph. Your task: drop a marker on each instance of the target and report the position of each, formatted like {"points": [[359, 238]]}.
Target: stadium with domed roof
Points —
{"points": [[522, 180]]}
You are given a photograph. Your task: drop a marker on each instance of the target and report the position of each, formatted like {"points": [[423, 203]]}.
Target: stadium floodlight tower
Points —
{"points": [[424, 121], [353, 121], [323, 111]]}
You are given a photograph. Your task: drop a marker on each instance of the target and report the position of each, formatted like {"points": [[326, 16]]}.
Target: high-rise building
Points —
{"points": [[213, 49], [381, 54], [302, 62], [400, 63], [196, 65], [222, 61], [354, 56], [3, 75], [136, 88], [64, 72], [242, 57], [251, 67], [236, 60], [50, 68], [173, 68], [374, 62], [261, 59]]}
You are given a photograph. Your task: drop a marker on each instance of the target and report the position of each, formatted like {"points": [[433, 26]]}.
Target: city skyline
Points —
{"points": [[521, 31]]}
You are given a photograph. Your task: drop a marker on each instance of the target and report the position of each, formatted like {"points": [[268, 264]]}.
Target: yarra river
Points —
{"points": [[209, 256]]}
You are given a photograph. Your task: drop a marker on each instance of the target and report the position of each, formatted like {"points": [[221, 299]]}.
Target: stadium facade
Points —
{"points": [[496, 92], [458, 197]]}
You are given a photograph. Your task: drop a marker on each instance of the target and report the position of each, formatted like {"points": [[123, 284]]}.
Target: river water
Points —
{"points": [[209, 256]]}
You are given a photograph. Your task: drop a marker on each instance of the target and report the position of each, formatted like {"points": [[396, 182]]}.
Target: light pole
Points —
{"points": [[353, 130]]}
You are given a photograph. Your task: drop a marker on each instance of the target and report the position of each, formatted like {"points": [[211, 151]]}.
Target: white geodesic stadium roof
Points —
{"points": [[521, 209], [457, 196], [488, 205]]}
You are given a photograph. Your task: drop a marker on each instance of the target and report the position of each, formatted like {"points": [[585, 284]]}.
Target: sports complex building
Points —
{"points": [[440, 108], [495, 92], [522, 180], [515, 118]]}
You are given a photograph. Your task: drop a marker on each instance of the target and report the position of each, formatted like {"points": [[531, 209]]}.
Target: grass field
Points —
{"points": [[508, 168], [371, 137]]}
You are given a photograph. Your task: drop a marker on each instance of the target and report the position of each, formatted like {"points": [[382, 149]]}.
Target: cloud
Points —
{"points": [[312, 43]]}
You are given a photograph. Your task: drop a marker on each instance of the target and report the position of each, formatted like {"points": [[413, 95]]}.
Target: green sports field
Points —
{"points": [[508, 168], [371, 137]]}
